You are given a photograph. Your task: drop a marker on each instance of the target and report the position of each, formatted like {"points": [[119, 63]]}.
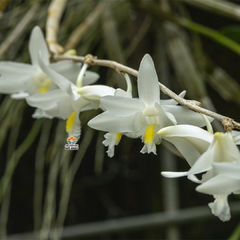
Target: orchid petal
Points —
{"points": [[204, 163], [121, 93], [164, 119], [88, 107], [236, 137], [59, 80], [110, 123], [171, 118], [14, 69], [174, 174], [226, 147], [19, 95], [188, 132], [70, 70], [64, 108], [148, 148], [208, 175], [193, 178], [55, 103], [14, 76], [172, 101], [222, 149], [187, 149], [132, 135], [37, 43], [148, 88], [46, 100], [90, 78], [230, 169], [66, 68], [220, 207], [185, 116], [189, 140], [121, 106], [220, 184], [81, 104], [111, 140], [39, 113], [94, 93]]}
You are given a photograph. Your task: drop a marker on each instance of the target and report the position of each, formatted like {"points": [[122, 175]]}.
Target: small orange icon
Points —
{"points": [[72, 138]]}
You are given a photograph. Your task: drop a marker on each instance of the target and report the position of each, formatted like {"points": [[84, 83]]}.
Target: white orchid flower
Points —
{"points": [[66, 102], [196, 146], [219, 157], [221, 149], [22, 80], [190, 141], [143, 116], [222, 161], [225, 182], [112, 139]]}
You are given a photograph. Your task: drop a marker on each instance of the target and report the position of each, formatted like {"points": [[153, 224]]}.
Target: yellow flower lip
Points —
{"points": [[149, 133], [70, 122], [46, 83], [118, 137]]}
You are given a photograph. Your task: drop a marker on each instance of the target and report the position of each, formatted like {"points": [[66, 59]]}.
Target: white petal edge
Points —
{"points": [[37, 43], [63, 83], [174, 174], [148, 88], [109, 123], [121, 106]]}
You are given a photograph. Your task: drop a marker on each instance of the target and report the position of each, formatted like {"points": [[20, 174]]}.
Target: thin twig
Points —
{"points": [[55, 12], [18, 30], [120, 68], [79, 32]]}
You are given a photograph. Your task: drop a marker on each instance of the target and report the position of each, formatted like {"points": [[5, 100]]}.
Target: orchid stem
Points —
{"points": [[208, 124], [55, 12], [129, 84], [81, 75]]}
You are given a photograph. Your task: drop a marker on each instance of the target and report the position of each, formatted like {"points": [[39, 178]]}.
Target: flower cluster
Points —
{"points": [[214, 155], [62, 90]]}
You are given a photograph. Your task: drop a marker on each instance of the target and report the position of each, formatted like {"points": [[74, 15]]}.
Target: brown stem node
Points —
{"points": [[89, 59], [228, 124]]}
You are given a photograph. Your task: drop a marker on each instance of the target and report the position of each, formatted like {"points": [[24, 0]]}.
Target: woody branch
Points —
{"points": [[228, 123]]}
